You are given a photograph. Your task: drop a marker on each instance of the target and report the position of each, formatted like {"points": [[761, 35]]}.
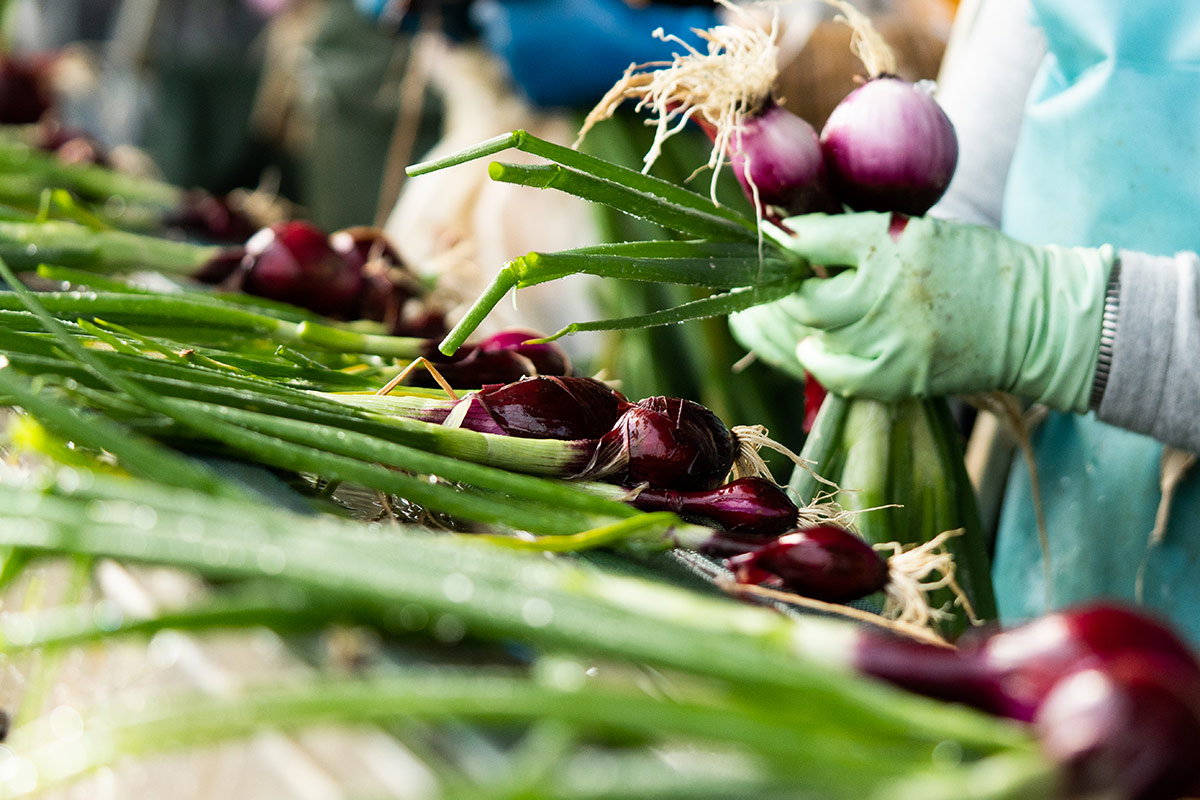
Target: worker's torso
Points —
{"points": [[1109, 152]]}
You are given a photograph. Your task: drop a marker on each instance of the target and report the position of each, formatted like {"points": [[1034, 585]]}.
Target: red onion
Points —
{"points": [[777, 159], [1124, 731], [389, 293], [211, 218], [666, 442], [547, 358], [1010, 672], [362, 245], [826, 562], [553, 407], [293, 262], [222, 268], [501, 358], [25, 91], [1114, 694], [889, 147], [749, 506]]}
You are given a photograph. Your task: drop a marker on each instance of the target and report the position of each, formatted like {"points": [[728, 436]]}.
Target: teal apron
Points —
{"points": [[1109, 152]]}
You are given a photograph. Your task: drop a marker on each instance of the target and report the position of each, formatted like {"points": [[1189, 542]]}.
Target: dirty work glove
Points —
{"points": [[928, 307]]}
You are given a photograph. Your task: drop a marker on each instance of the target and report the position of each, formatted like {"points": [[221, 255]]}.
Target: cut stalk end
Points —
{"points": [[505, 280]]}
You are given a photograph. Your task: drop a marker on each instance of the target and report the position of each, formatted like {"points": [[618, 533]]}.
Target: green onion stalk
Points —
{"points": [[745, 678], [486, 479], [333, 450], [290, 329], [122, 200], [690, 360], [899, 468]]}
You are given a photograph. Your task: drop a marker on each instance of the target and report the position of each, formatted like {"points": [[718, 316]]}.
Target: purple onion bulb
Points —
{"points": [[825, 562], [293, 262], [889, 146], [777, 155], [548, 358], [667, 442], [553, 407], [749, 506]]}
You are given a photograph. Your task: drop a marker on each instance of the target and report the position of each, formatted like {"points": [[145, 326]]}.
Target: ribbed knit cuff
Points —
{"points": [[1108, 336]]}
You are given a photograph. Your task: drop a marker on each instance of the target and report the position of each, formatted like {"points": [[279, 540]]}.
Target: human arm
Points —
{"points": [[945, 308]]}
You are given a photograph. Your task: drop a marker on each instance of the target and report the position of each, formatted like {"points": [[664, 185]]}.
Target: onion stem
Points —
{"points": [[673, 217], [596, 167], [25, 245], [213, 313]]}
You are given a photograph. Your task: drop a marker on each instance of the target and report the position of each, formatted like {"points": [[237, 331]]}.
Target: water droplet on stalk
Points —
{"points": [[108, 617], [449, 629], [537, 612], [412, 617], [215, 554], [458, 588], [144, 518], [271, 560], [68, 480]]}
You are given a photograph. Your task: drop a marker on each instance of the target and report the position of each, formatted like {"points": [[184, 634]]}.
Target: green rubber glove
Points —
{"points": [[924, 307]]}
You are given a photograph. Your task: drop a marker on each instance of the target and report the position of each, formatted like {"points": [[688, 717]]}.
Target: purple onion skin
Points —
{"points": [[669, 442], [748, 506], [25, 93], [389, 292], [210, 218], [473, 416], [727, 544], [1010, 673], [547, 357], [825, 562], [888, 146], [501, 358], [554, 407], [778, 155], [472, 368], [537, 407], [222, 267], [1124, 731], [1113, 694], [293, 262]]}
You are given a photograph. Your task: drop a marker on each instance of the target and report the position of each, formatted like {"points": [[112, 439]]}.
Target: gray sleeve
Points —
{"points": [[1154, 383], [991, 58]]}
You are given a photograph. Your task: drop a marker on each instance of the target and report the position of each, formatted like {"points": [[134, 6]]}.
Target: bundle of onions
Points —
{"points": [[535, 407], [583, 429], [888, 146]]}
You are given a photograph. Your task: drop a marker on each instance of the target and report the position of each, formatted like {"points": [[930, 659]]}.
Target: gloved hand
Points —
{"points": [[570, 52], [928, 307]]}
